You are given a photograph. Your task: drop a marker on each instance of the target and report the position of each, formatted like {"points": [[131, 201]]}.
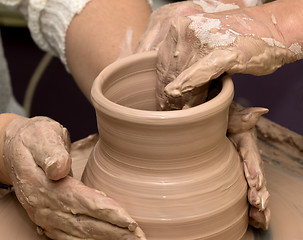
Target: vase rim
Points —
{"points": [[101, 103]]}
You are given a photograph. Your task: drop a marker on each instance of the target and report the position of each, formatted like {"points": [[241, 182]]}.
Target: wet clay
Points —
{"points": [[242, 132], [283, 169], [233, 61], [281, 150], [173, 171], [202, 47], [67, 205]]}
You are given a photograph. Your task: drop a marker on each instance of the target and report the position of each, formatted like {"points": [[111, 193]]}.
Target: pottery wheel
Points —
{"points": [[283, 171]]}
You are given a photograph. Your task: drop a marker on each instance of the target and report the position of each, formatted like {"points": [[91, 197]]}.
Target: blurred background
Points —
{"points": [[41, 84]]}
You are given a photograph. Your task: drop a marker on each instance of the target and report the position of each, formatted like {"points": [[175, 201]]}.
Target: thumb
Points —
{"points": [[58, 164], [49, 144], [245, 119], [200, 73]]}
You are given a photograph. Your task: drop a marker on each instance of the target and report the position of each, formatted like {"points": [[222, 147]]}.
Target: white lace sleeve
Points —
{"points": [[48, 21]]}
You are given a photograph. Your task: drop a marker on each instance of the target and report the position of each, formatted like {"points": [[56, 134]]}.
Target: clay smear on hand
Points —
{"points": [[225, 50], [207, 30], [229, 51], [242, 132]]}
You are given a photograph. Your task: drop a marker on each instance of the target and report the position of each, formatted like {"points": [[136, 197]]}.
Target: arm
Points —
{"points": [[34, 153], [87, 35], [95, 37]]}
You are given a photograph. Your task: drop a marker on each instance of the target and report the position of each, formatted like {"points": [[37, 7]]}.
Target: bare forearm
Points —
{"points": [[289, 19], [96, 36], [284, 18]]}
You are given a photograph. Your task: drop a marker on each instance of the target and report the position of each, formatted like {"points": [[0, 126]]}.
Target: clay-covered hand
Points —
{"points": [[241, 131], [36, 155], [160, 21], [201, 47]]}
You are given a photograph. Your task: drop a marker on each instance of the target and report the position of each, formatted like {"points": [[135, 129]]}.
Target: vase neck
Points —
{"points": [[152, 143]]}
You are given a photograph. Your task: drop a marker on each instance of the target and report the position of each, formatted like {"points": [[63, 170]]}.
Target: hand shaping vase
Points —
{"points": [[175, 172]]}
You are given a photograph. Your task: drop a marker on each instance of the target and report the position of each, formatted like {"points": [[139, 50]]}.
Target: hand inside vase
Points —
{"points": [[201, 47]]}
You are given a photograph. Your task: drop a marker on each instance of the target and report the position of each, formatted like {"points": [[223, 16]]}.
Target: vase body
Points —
{"points": [[175, 172]]}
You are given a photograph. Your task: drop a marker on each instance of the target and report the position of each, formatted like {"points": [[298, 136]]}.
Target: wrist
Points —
{"points": [[286, 19], [5, 120]]}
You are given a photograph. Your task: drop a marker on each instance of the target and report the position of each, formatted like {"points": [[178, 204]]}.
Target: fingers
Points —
{"points": [[243, 119], [49, 145], [68, 204], [174, 56], [103, 208], [252, 162], [258, 195], [160, 22], [68, 195], [259, 219], [258, 198], [58, 224], [75, 209], [56, 234], [71, 195], [207, 68], [252, 166]]}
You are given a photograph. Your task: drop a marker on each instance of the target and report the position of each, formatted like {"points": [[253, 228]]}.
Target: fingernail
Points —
{"points": [[172, 92], [187, 89], [132, 226]]}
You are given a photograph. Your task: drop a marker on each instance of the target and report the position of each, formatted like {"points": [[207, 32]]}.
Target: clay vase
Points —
{"points": [[175, 172]]}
